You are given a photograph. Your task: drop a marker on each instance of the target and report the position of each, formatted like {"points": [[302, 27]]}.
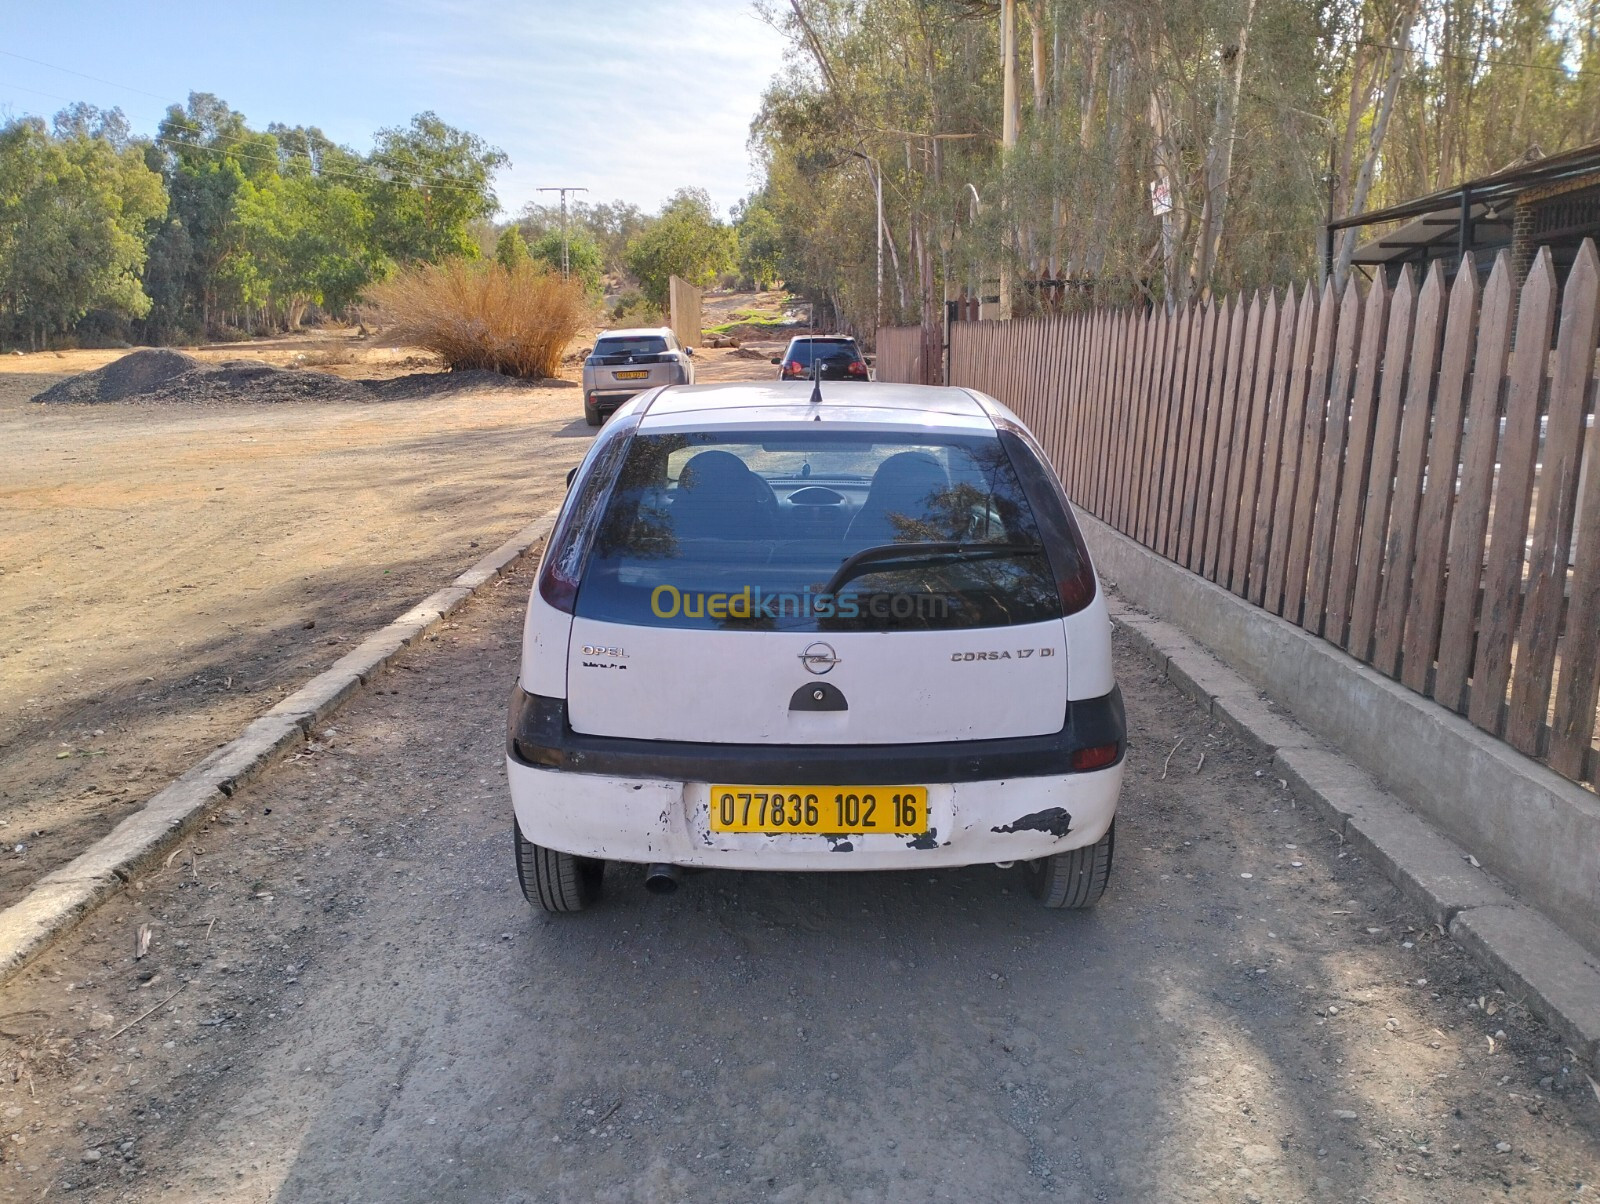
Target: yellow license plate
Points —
{"points": [[829, 810], [630, 375]]}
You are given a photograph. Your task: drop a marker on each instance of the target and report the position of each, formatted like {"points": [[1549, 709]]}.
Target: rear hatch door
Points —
{"points": [[714, 609], [632, 364]]}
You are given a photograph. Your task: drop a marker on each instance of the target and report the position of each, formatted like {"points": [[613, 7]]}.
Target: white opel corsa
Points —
{"points": [[778, 631]]}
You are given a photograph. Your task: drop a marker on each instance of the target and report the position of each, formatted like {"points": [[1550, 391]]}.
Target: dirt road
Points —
{"points": [[346, 999], [169, 571]]}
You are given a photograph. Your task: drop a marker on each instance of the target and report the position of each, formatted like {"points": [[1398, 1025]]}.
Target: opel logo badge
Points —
{"points": [[818, 658]]}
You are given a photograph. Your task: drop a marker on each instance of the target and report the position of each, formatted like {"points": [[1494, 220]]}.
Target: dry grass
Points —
{"points": [[480, 315], [325, 356]]}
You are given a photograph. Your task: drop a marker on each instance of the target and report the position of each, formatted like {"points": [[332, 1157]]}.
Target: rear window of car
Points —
{"points": [[647, 344], [753, 531], [801, 350]]}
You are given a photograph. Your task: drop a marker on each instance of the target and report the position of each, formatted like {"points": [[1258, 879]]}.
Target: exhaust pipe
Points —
{"points": [[661, 879]]}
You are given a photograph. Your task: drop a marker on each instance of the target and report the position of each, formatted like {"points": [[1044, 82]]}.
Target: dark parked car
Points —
{"points": [[836, 358]]}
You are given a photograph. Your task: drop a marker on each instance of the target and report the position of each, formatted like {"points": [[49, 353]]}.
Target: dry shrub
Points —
{"points": [[478, 314]]}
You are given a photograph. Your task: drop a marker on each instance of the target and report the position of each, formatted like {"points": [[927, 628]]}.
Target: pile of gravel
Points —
{"points": [[421, 385], [253, 382], [131, 375], [172, 376]]}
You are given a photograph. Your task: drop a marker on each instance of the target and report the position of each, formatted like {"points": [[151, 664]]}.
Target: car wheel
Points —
{"points": [[557, 882], [591, 415], [1076, 878]]}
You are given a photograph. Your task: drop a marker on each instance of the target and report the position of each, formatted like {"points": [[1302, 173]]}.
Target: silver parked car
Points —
{"points": [[626, 362]]}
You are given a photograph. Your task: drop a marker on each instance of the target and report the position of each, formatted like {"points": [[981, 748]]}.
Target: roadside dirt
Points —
{"points": [[345, 998], [171, 567]]}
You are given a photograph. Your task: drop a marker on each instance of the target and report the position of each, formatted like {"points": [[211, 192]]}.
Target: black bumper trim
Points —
{"points": [[539, 735]]}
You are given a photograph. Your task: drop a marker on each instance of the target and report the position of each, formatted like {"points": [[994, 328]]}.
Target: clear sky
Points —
{"points": [[631, 100]]}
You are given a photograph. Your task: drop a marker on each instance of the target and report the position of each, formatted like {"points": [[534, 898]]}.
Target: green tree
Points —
{"points": [[430, 181], [209, 153], [583, 256], [685, 240], [610, 224], [73, 211], [760, 241], [509, 249], [306, 241]]}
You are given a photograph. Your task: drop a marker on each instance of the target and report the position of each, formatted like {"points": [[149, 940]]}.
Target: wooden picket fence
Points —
{"points": [[1409, 473], [910, 355]]}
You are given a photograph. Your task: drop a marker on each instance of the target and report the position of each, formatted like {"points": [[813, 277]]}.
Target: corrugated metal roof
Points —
{"points": [[1498, 188]]}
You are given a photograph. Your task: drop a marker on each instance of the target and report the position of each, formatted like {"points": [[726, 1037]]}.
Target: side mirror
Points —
{"points": [[777, 359], [870, 361], [688, 350], [571, 472]]}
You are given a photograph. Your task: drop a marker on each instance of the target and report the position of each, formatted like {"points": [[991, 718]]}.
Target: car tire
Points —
{"points": [[591, 415], [1076, 878], [556, 882]]}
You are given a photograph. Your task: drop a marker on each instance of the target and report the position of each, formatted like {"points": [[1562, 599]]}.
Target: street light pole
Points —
{"points": [[566, 263]]}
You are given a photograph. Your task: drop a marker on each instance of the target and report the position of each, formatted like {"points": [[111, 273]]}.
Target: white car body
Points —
{"points": [[978, 716]]}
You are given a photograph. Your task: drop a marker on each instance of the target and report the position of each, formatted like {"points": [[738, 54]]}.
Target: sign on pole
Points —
{"points": [[1160, 196]]}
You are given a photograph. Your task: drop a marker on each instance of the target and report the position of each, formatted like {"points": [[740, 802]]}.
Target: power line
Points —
{"points": [[1480, 59], [419, 181], [236, 139], [57, 67]]}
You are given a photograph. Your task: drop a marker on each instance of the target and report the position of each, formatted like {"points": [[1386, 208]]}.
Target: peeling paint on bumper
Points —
{"points": [[647, 820]]}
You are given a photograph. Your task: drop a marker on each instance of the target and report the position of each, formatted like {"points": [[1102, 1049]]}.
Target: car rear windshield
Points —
{"points": [[801, 351], [753, 531], [644, 344]]}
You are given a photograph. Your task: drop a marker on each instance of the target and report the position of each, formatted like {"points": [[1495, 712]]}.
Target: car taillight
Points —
{"points": [[857, 368], [1074, 581], [1097, 757], [559, 588], [794, 368]]}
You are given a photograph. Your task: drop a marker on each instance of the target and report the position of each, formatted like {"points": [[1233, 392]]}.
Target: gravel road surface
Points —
{"points": [[169, 571], [346, 999]]}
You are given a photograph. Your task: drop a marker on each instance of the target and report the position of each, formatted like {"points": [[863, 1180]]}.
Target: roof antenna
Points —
{"points": [[816, 375]]}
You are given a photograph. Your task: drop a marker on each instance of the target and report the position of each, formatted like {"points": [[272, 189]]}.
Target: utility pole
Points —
{"points": [[566, 264]]}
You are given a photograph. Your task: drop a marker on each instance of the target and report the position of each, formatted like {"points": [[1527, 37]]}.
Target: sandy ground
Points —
{"points": [[169, 571], [347, 999]]}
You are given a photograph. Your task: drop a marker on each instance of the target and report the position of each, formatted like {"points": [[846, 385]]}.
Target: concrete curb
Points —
{"points": [[1534, 960], [65, 895], [1527, 824]]}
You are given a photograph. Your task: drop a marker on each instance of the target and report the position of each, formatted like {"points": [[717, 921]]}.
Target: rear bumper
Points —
{"points": [[649, 801], [608, 394], [647, 820]]}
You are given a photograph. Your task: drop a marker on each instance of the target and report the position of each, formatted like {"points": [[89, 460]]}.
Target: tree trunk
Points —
{"points": [[1219, 158], [1091, 78], [1175, 221], [1035, 14], [1400, 42], [1118, 119], [1008, 140]]}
